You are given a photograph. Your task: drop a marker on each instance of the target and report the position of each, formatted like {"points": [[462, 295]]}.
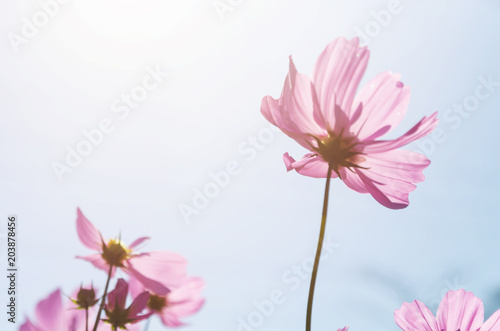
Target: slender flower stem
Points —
{"points": [[318, 251], [146, 328], [103, 299], [86, 318]]}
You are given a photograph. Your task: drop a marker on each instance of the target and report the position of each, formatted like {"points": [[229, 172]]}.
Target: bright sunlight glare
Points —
{"points": [[134, 20]]}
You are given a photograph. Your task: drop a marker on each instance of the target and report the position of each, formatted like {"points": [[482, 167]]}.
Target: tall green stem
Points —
{"points": [[318, 251], [103, 299]]}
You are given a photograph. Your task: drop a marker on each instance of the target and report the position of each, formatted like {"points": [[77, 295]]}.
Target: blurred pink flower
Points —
{"points": [[459, 310], [119, 316], [181, 302], [344, 329], [158, 271], [324, 115], [52, 315]]}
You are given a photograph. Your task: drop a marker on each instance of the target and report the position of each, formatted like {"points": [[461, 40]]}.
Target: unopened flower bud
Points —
{"points": [[85, 298]]}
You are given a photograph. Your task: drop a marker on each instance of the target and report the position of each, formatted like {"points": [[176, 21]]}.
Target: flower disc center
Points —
{"points": [[157, 303], [115, 252], [339, 151]]}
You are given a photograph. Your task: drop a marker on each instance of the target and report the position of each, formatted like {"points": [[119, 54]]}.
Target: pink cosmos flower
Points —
{"points": [[459, 310], [52, 315], [158, 271], [119, 316], [181, 302], [341, 129]]}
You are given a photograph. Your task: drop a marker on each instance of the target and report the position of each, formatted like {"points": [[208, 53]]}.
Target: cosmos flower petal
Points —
{"points": [[151, 284], [382, 104], [298, 104], [389, 177], [288, 161], [191, 288], [186, 300], [188, 307], [268, 107], [346, 328], [112, 302], [415, 316], [159, 270], [76, 319], [337, 74], [388, 191], [141, 317], [353, 181], [139, 304], [97, 261], [398, 164], [137, 242], [421, 129], [135, 287], [296, 111], [312, 166], [118, 297], [88, 234], [192, 301], [28, 326], [170, 320], [493, 323], [460, 310], [49, 312]]}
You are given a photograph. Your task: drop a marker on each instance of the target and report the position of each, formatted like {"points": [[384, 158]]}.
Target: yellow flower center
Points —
{"points": [[339, 151], [157, 303], [115, 252]]}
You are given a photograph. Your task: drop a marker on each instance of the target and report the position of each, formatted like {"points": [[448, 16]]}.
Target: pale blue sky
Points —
{"points": [[201, 119]]}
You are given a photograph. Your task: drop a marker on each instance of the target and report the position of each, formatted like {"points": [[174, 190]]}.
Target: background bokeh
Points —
{"points": [[263, 226]]}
